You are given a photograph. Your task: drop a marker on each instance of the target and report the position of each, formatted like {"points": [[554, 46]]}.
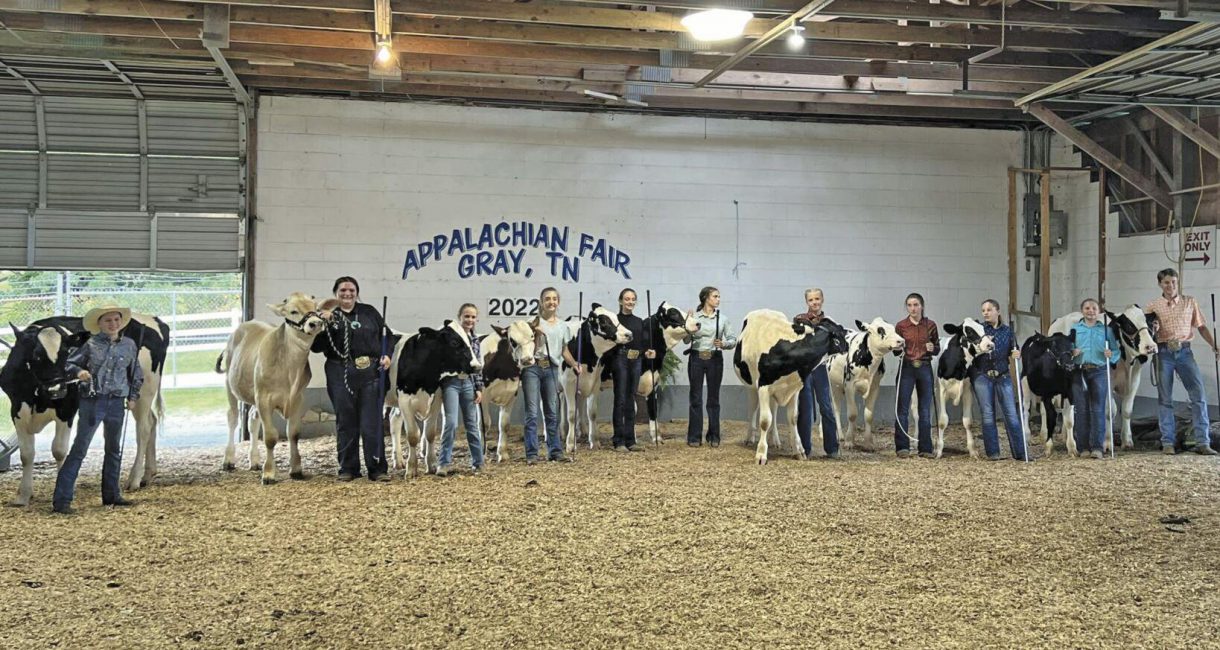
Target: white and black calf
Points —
{"points": [[35, 380], [505, 352], [958, 352], [596, 335], [666, 328], [420, 362], [1131, 327], [858, 371], [1047, 373], [772, 359]]}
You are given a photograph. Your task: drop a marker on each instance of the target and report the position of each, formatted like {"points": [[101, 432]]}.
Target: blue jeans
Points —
{"points": [[458, 395], [538, 382], [107, 411], [817, 393], [914, 379], [1183, 362], [1089, 405], [987, 389]]}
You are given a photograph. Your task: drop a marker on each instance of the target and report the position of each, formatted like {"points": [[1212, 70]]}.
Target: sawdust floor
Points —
{"points": [[675, 547]]}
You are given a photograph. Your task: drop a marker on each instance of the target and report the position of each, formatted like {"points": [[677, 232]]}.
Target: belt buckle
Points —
{"points": [[705, 354], [362, 363], [1174, 346], [993, 373], [544, 362], [633, 354], [917, 363]]}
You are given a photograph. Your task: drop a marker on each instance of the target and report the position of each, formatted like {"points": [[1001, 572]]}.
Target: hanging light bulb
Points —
{"points": [[796, 40], [384, 54], [717, 24]]}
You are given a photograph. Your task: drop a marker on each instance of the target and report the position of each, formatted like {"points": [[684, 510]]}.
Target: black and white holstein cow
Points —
{"points": [[420, 362], [666, 328], [268, 369], [859, 371], [595, 336], [773, 357], [35, 380], [1137, 345], [505, 353], [958, 352], [1047, 373]]}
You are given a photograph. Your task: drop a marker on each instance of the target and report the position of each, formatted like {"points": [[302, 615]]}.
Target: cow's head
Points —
{"points": [[971, 337], [1057, 346], [1131, 326], [675, 324], [517, 339], [603, 323], [882, 337], [827, 332], [303, 312], [451, 352], [40, 356]]}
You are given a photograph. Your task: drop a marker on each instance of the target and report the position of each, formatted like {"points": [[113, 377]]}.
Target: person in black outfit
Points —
{"points": [[352, 344], [625, 368]]}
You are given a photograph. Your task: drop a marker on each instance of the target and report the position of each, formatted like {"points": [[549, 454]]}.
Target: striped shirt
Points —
{"points": [[1178, 319]]}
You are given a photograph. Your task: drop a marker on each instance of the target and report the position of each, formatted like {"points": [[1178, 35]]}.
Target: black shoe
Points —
{"points": [[64, 510], [120, 503], [344, 477]]}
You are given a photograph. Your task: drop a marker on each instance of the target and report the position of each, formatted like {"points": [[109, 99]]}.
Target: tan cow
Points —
{"points": [[268, 368]]}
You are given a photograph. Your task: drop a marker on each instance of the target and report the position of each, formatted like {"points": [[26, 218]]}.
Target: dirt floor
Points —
{"points": [[674, 547]]}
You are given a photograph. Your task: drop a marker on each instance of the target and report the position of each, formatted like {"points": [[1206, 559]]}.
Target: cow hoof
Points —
{"points": [[228, 467], [761, 458], [269, 481], [18, 503], [297, 476]]}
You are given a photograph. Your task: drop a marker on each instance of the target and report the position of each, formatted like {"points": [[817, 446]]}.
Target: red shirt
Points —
{"points": [[917, 338]]}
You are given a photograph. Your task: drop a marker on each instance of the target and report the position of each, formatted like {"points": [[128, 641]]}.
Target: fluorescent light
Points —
{"points": [[717, 24], [796, 40]]}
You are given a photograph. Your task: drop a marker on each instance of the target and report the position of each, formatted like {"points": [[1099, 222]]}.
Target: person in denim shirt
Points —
{"points": [[108, 368], [816, 391], [1095, 344], [990, 378], [462, 395]]}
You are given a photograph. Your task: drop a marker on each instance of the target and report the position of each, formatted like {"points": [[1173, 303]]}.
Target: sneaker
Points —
{"points": [[995, 457], [475, 471], [1168, 451], [834, 455], [621, 448], [1205, 450], [444, 470], [635, 448], [904, 453], [379, 478], [927, 454], [120, 503], [531, 460], [560, 458], [64, 510], [1097, 455], [344, 477]]}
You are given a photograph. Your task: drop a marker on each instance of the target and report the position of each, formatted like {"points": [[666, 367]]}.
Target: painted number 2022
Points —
{"points": [[512, 307]]}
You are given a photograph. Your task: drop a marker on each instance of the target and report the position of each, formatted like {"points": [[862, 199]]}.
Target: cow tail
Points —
{"points": [[220, 361]]}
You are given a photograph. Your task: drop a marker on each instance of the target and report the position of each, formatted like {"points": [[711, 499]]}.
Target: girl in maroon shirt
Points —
{"points": [[922, 344]]}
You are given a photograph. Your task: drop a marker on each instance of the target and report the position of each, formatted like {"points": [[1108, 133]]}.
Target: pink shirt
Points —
{"points": [[1178, 319]]}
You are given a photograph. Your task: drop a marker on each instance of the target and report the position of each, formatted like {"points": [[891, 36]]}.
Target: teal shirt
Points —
{"points": [[1092, 340], [701, 341]]}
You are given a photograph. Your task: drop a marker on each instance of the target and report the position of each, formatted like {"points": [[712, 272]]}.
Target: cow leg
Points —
{"points": [[1048, 420], [838, 401], [271, 436], [1069, 428], [794, 405], [233, 417], [752, 432], [1128, 403], [255, 424], [396, 424], [295, 471], [141, 414], [942, 418], [870, 402], [25, 440], [412, 423], [764, 424], [432, 431]]}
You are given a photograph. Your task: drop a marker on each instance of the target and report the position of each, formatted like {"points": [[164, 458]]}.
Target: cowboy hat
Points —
{"points": [[91, 318]]}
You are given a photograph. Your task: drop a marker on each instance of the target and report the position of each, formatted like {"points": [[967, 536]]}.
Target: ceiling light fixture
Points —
{"points": [[796, 40], [717, 24], [384, 53]]}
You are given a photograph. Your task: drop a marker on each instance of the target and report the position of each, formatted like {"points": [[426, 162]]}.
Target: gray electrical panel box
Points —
{"points": [[1033, 234]]}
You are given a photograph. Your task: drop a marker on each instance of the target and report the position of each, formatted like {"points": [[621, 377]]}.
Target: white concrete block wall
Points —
{"points": [[868, 213]]}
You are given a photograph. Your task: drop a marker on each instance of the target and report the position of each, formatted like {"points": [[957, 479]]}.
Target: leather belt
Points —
{"points": [[633, 354], [1089, 366]]}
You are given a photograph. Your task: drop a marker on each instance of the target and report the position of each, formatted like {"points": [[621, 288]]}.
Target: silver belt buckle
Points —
{"points": [[633, 354], [1174, 346], [705, 354], [362, 363], [544, 362], [993, 373], [917, 363]]}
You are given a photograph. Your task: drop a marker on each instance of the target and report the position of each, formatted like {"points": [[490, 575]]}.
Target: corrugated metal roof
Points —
{"points": [[176, 79], [1181, 69]]}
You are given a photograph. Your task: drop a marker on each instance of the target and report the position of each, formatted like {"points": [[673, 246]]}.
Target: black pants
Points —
{"points": [[697, 370], [626, 373], [357, 418]]}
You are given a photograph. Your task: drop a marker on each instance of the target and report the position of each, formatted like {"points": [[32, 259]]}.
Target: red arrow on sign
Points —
{"points": [[1205, 259]]}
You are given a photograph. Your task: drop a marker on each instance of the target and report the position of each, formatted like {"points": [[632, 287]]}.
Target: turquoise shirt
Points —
{"points": [[1092, 340], [701, 341]]}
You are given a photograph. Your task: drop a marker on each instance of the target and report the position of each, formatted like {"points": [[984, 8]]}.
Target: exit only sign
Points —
{"points": [[1200, 247]]}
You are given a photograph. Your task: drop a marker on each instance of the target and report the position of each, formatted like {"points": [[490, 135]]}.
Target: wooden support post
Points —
{"points": [[1185, 126], [1044, 264], [1012, 243], [1101, 237]]}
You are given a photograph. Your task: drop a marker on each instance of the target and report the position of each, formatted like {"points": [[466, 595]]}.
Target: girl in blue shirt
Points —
{"points": [[1094, 345]]}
